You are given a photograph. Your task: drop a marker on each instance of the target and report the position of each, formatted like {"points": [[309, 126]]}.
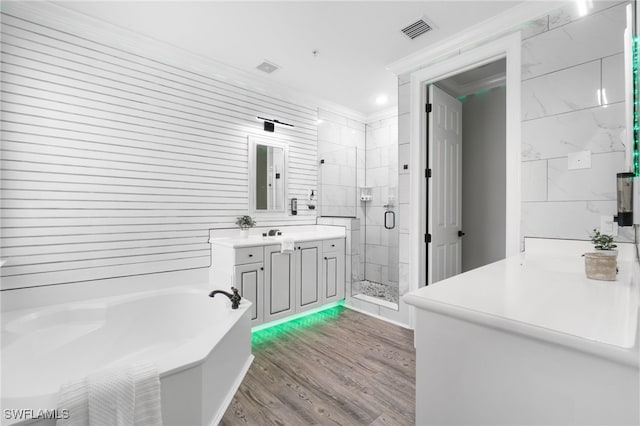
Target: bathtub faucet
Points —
{"points": [[273, 232], [235, 297]]}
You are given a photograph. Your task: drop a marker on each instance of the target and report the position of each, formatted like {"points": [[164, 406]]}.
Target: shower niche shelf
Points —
{"points": [[366, 193]]}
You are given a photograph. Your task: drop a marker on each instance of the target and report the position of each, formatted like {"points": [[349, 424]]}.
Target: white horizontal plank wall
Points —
{"points": [[116, 164]]}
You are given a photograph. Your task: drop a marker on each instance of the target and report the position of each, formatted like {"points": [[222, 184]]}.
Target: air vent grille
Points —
{"points": [[267, 67], [416, 29]]}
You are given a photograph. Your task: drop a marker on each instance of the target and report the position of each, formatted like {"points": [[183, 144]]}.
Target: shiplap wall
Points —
{"points": [[117, 164]]}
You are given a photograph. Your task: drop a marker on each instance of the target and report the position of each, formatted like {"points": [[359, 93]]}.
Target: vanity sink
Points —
{"points": [[299, 234]]}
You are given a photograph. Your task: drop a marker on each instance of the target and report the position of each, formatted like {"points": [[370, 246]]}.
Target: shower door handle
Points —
{"points": [[389, 215]]}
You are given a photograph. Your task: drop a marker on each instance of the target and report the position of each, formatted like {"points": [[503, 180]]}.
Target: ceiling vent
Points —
{"points": [[267, 67], [417, 28]]}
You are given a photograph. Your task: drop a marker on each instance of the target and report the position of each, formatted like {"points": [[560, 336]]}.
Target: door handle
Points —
{"points": [[460, 234], [386, 220]]}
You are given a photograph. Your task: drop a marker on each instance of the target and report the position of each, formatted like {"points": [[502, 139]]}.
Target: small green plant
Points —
{"points": [[245, 222], [602, 241]]}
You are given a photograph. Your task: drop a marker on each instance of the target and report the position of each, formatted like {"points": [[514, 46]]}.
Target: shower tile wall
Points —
{"points": [[381, 245], [341, 144]]}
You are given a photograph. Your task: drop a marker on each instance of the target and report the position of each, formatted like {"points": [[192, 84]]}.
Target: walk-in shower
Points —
{"points": [[358, 178], [379, 226]]}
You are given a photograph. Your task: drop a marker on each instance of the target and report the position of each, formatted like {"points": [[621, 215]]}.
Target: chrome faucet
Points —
{"points": [[235, 297], [273, 232]]}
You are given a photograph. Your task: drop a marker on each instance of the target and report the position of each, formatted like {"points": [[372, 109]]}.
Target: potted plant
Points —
{"points": [[245, 223], [601, 264]]}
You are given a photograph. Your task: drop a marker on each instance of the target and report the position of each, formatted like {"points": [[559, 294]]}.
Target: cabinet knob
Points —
{"points": [[262, 268], [333, 245], [250, 255], [325, 258]]}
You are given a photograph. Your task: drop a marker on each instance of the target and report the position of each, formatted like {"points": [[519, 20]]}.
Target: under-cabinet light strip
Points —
{"points": [[312, 316]]}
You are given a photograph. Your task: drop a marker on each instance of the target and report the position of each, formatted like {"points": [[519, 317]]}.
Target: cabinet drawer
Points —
{"points": [[333, 245], [249, 255]]}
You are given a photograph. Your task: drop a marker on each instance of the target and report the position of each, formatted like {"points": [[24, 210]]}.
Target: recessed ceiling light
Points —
{"points": [[382, 99], [584, 6]]}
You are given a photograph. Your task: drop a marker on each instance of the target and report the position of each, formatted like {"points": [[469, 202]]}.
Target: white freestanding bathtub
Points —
{"points": [[201, 346]]}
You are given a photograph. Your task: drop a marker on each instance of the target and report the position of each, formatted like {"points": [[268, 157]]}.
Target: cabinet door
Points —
{"points": [[249, 282], [308, 275], [279, 286], [333, 276]]}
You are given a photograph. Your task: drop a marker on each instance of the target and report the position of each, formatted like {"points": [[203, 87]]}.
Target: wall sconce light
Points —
{"points": [[270, 124]]}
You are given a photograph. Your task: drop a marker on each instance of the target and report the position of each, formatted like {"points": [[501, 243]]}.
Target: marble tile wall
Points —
{"points": [[341, 144], [404, 217], [563, 69], [565, 59]]}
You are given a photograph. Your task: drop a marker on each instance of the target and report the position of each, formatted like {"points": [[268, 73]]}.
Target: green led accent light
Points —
{"points": [[636, 126], [274, 329], [482, 92]]}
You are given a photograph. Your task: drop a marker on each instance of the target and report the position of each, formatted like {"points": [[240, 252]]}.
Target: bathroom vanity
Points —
{"points": [[530, 340], [281, 284]]}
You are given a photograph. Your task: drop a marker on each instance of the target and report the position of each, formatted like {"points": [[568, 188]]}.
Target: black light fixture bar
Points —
{"points": [[273, 120]]}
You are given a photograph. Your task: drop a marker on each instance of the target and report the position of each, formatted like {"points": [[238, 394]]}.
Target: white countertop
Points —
{"points": [[544, 291], [298, 234]]}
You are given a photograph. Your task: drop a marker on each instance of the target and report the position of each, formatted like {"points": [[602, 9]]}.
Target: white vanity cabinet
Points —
{"points": [[279, 284], [333, 272]]}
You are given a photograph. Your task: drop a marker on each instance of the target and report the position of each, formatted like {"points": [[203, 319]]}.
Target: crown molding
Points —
{"points": [[390, 112], [58, 16], [510, 20]]}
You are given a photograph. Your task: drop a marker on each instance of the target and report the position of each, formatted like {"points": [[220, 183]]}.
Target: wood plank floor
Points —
{"points": [[339, 367]]}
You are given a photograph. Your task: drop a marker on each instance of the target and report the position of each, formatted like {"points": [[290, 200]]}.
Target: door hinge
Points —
{"points": [[427, 238], [428, 108], [427, 173]]}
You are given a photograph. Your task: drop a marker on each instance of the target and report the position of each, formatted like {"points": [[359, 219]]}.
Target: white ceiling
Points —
{"points": [[355, 40]]}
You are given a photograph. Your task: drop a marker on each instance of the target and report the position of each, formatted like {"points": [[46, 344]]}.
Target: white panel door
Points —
{"points": [[279, 285], [445, 185], [308, 275]]}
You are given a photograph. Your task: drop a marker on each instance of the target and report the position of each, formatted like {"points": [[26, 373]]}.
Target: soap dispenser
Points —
{"points": [[312, 200], [624, 199]]}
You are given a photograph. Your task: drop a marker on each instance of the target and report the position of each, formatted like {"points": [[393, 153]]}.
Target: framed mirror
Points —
{"points": [[267, 175]]}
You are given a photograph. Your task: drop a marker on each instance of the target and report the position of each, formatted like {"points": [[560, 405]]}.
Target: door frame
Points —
{"points": [[508, 47]]}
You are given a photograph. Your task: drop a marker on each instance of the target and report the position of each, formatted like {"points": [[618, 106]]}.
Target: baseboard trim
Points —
{"points": [[362, 311]]}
